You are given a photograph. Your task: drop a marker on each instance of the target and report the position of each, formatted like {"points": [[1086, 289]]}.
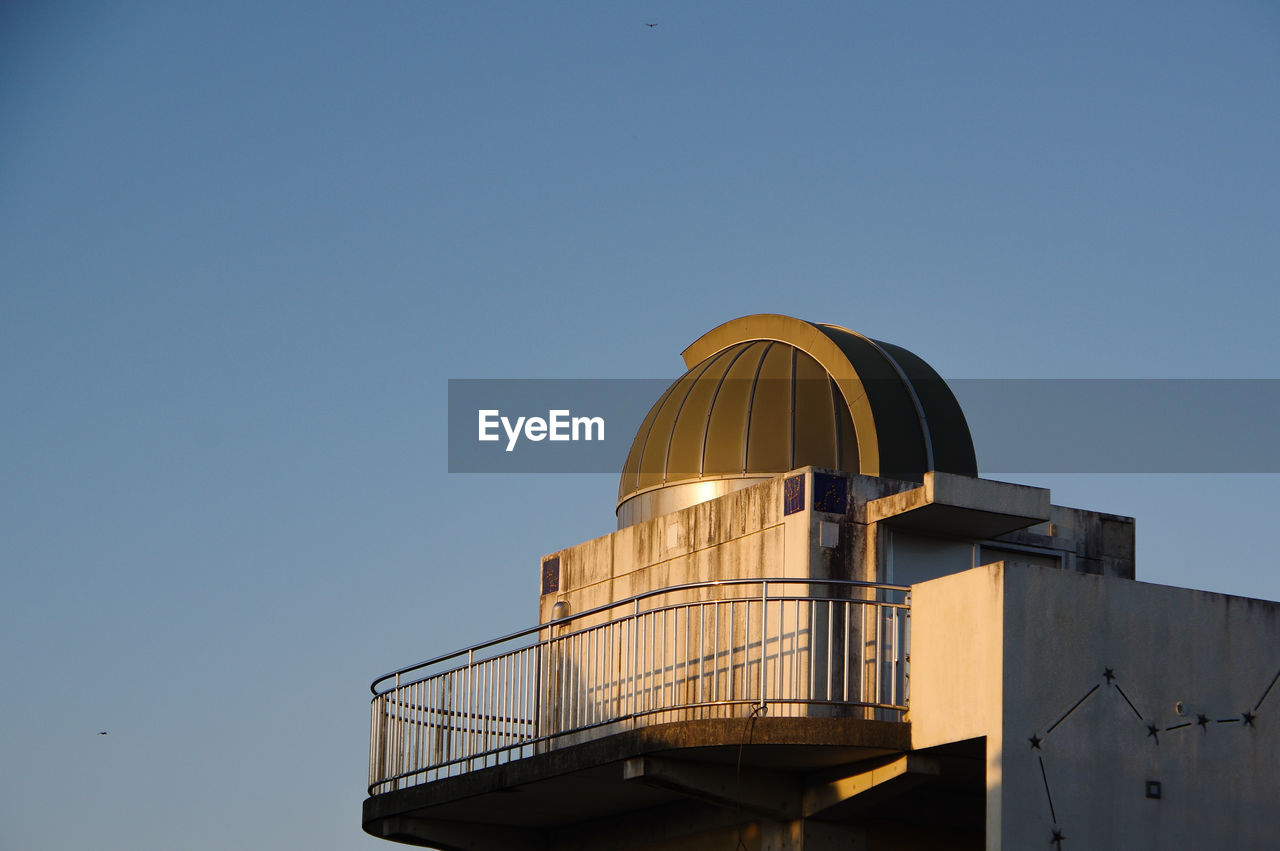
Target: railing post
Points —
{"points": [[906, 659], [376, 761], [468, 692], [393, 733], [764, 632], [635, 661]]}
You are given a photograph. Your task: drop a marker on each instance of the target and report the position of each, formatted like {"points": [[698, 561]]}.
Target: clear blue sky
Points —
{"points": [[244, 246]]}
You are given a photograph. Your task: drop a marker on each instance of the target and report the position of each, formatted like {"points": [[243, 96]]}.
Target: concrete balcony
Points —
{"points": [[622, 695]]}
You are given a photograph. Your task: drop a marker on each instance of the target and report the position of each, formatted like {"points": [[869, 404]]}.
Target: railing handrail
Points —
{"points": [[469, 652]]}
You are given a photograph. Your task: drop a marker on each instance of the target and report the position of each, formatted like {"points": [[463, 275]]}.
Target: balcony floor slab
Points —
{"points": [[587, 781]]}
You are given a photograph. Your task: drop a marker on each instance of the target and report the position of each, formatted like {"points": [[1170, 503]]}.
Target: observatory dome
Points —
{"points": [[767, 393]]}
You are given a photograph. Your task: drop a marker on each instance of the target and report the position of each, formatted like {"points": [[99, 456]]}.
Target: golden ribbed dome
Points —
{"points": [[766, 394], [757, 407]]}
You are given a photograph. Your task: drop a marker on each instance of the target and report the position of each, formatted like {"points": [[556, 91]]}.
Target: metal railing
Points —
{"points": [[806, 647]]}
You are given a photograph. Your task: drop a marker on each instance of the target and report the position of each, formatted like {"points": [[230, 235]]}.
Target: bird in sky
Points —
{"points": [[650, 25], [102, 732]]}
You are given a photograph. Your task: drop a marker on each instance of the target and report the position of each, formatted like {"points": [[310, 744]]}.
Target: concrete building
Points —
{"points": [[817, 628]]}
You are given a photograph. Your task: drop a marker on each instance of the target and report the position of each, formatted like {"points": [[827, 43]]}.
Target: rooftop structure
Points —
{"points": [[766, 394], [816, 627]]}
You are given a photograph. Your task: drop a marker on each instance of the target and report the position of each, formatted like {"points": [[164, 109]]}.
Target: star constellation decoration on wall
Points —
{"points": [[1111, 681]]}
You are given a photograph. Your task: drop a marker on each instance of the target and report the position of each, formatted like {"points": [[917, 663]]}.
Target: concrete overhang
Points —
{"points": [[529, 802], [964, 506]]}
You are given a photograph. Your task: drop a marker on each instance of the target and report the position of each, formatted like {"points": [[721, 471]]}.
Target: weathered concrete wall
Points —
{"points": [[1104, 685], [738, 536], [1102, 544], [743, 535], [911, 559], [957, 668]]}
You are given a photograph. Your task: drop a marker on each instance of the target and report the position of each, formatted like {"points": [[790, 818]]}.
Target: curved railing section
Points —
{"points": [[816, 648]]}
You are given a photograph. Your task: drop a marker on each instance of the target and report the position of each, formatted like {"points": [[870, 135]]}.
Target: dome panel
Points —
{"points": [[726, 439], [849, 457], [902, 450], [769, 428], [629, 481], [949, 439], [689, 431], [814, 412], [653, 459]]}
